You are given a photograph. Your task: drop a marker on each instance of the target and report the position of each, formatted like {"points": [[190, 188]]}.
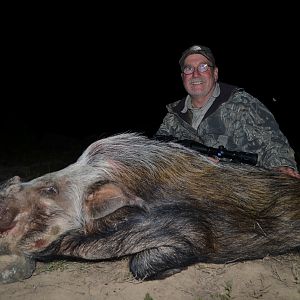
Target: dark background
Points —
{"points": [[81, 76]]}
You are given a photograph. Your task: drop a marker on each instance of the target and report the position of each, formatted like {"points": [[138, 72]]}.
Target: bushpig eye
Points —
{"points": [[49, 191]]}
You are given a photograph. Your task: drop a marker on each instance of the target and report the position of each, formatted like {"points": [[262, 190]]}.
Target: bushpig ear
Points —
{"points": [[107, 198], [7, 217], [10, 186]]}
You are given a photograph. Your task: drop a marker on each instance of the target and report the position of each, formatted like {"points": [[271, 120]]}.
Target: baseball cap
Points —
{"points": [[196, 49]]}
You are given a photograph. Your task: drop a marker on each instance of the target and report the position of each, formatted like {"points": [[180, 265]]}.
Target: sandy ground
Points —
{"points": [[269, 278]]}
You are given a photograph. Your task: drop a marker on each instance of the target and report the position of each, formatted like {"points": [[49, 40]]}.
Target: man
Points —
{"points": [[215, 113]]}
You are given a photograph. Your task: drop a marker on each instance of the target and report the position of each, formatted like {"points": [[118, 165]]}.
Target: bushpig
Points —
{"points": [[159, 203]]}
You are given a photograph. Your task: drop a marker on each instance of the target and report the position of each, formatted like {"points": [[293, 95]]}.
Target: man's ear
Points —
{"points": [[216, 73], [106, 198]]}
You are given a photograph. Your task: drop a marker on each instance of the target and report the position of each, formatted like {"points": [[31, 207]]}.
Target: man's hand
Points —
{"points": [[289, 171], [214, 159]]}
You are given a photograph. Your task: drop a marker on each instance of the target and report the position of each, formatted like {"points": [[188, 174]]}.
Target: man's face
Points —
{"points": [[201, 80]]}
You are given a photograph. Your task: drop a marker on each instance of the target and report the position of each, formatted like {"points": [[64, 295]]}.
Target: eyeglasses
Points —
{"points": [[187, 70]]}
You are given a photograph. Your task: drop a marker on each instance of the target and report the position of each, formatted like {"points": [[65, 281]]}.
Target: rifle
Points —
{"points": [[220, 152]]}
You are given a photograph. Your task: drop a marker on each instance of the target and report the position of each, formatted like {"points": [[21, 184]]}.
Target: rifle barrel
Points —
{"points": [[220, 152]]}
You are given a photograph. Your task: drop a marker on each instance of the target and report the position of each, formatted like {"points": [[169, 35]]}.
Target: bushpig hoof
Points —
{"points": [[15, 268]]}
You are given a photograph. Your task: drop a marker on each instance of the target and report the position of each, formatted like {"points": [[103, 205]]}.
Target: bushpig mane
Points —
{"points": [[135, 159], [140, 163]]}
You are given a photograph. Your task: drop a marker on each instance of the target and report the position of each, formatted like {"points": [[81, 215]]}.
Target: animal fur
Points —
{"points": [[163, 205]]}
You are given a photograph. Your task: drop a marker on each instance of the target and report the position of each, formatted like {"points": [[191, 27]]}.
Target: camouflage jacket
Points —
{"points": [[236, 120]]}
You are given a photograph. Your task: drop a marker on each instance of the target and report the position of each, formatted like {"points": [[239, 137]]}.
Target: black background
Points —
{"points": [[88, 73]]}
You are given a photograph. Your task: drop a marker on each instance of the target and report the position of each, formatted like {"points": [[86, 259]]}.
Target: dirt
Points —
{"points": [[268, 278]]}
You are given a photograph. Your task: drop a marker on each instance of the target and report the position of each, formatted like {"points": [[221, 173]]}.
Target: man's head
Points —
{"points": [[199, 73], [205, 51]]}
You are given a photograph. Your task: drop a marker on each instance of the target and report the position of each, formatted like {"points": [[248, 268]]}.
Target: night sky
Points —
{"points": [[85, 78]]}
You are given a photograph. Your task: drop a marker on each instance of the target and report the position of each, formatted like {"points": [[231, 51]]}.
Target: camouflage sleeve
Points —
{"points": [[254, 121], [165, 127], [173, 125]]}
